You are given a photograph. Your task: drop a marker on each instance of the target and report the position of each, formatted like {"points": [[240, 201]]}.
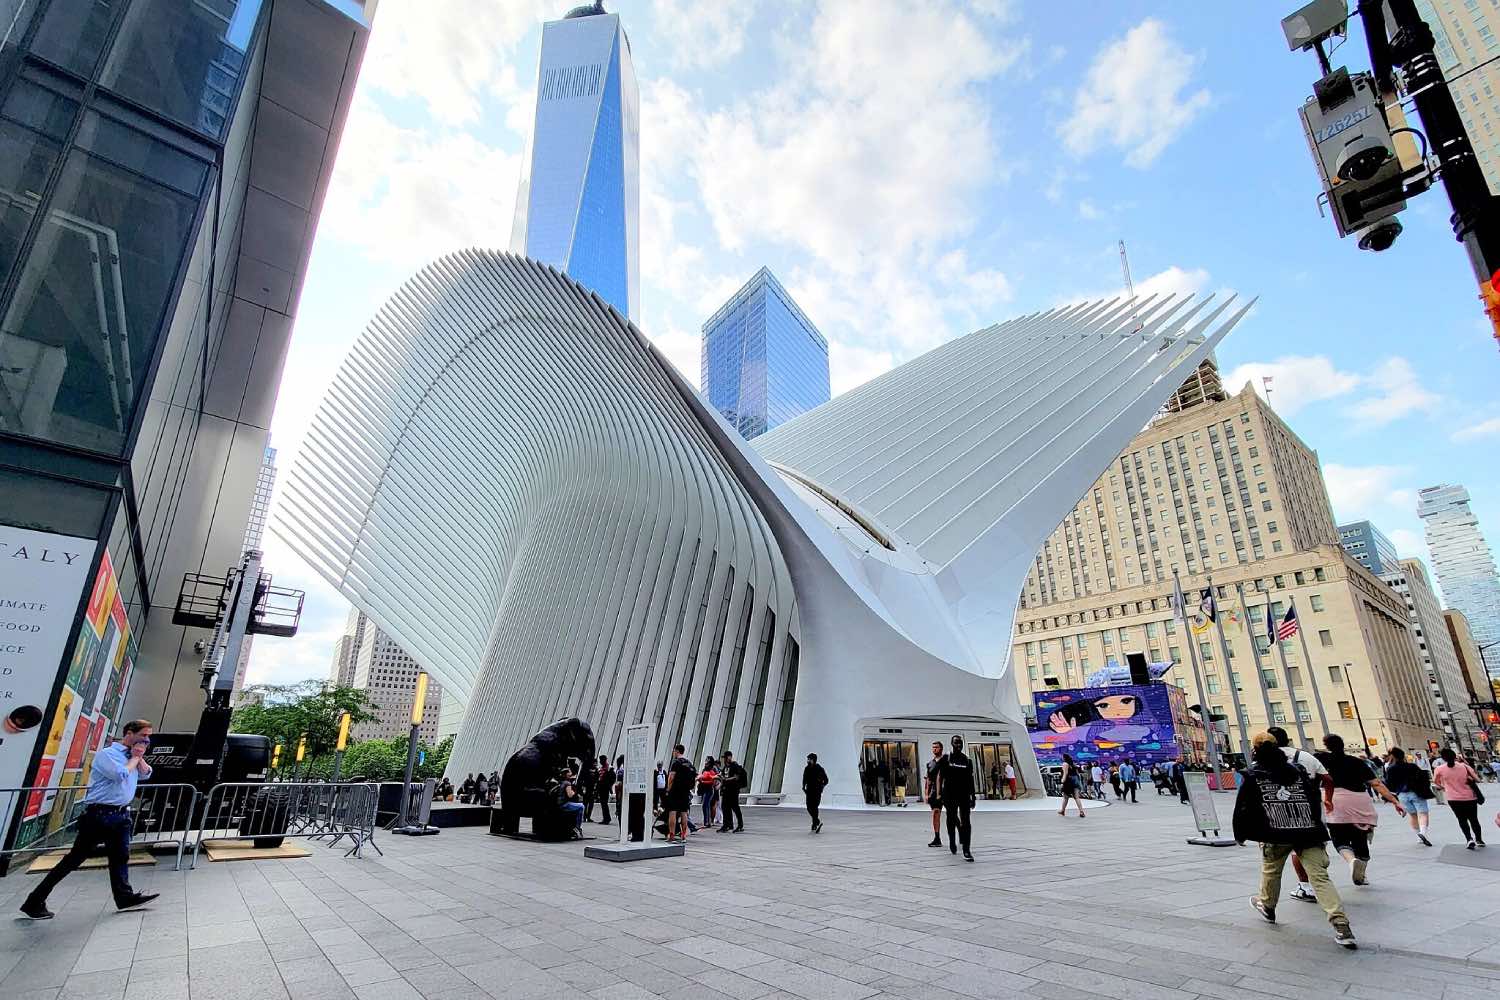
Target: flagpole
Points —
{"points": [[1260, 675], [1312, 674], [1203, 711], [1273, 633], [1234, 689]]}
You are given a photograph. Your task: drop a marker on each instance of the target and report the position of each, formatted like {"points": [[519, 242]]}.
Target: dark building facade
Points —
{"points": [[162, 164]]}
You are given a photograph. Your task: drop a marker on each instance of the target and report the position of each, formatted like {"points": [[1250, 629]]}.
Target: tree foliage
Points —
{"points": [[287, 712]]}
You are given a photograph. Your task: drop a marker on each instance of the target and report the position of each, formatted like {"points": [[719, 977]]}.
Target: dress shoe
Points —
{"points": [[139, 899], [36, 911]]}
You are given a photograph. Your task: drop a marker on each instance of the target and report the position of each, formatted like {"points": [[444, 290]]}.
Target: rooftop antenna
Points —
{"points": [[1129, 287]]}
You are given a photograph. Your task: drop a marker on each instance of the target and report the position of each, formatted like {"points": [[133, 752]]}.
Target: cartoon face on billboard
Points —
{"points": [[1105, 724]]}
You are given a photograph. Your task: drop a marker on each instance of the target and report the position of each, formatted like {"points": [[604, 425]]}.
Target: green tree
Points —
{"points": [[286, 712]]}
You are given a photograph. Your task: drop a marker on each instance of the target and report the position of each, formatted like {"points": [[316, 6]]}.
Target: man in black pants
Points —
{"points": [[956, 789], [814, 780], [604, 784], [105, 821], [732, 779]]}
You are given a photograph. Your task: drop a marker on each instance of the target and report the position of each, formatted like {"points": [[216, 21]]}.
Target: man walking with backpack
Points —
{"points": [[1279, 806], [1314, 769]]}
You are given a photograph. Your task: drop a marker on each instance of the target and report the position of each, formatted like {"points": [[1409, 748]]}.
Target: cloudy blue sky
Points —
{"points": [[911, 171]]}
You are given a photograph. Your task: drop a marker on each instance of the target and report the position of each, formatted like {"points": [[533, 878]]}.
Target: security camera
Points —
{"points": [[1362, 159], [1381, 235]]}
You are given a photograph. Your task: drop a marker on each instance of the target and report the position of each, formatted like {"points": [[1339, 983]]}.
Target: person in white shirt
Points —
{"points": [[1096, 778], [1010, 779], [1313, 768]]}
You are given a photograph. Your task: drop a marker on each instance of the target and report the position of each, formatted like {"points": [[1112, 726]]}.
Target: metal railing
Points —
{"points": [[256, 811], [159, 815]]}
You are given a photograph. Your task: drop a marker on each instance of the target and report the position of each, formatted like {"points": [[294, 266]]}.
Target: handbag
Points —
{"points": [[1474, 785]]}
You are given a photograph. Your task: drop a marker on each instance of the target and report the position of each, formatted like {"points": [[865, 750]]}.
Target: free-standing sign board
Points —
{"points": [[42, 576], [1205, 816]]}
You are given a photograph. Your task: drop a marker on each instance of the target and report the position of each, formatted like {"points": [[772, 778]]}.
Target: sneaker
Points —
{"points": [[1423, 838], [1357, 870], [1342, 935], [1304, 895], [968, 856], [1260, 907], [36, 911], [139, 899], [935, 842], [1470, 847]]}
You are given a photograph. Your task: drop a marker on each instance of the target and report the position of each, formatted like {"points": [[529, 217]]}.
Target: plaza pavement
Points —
{"points": [[1115, 905]]}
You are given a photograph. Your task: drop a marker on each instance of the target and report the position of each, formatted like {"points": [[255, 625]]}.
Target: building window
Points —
{"points": [[1318, 574], [1269, 676], [1325, 637], [1278, 712], [1335, 674], [1213, 684], [1316, 600], [1265, 505], [1302, 712], [1206, 650], [1175, 652], [1276, 545]]}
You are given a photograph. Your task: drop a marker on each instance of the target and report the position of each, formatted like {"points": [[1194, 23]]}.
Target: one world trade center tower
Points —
{"points": [[578, 207]]}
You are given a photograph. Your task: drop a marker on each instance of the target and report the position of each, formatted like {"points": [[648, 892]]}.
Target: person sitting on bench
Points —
{"points": [[569, 802]]}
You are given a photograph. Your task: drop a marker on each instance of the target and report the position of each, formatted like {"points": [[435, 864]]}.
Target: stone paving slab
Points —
{"points": [[1116, 905]]}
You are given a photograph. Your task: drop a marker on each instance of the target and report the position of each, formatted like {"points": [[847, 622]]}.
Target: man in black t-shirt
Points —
{"points": [[681, 776], [814, 780], [930, 793], [956, 787], [732, 780]]}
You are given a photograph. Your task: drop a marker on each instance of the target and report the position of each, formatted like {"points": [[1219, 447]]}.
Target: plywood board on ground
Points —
{"points": [[47, 862], [245, 850]]}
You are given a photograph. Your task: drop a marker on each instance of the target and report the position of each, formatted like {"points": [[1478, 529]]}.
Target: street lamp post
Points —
{"points": [[404, 820], [340, 747], [1354, 700]]}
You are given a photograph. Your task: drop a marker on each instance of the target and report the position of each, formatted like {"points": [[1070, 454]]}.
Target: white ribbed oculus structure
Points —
{"points": [[516, 486]]}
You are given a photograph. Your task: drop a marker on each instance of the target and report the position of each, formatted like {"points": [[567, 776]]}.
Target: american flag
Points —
{"points": [[1288, 626]]}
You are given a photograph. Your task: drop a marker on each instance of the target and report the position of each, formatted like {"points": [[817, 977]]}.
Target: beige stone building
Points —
{"points": [[366, 657], [1224, 490]]}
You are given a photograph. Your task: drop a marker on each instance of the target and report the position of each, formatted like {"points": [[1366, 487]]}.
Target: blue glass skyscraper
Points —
{"points": [[578, 208], [763, 360]]}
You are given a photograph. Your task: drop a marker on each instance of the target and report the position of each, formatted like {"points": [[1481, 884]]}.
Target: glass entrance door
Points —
{"points": [[889, 767], [990, 760]]}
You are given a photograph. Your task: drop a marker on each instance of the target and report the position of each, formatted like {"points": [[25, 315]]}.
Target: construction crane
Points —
{"points": [[1129, 286]]}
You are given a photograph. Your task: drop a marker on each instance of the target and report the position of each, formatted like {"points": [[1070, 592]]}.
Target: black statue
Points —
{"points": [[525, 784]]}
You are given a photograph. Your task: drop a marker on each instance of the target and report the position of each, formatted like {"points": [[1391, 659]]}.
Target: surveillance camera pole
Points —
{"points": [[1409, 45]]}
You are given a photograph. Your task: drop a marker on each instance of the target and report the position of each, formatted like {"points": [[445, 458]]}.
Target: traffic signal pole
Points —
{"points": [[1476, 217]]}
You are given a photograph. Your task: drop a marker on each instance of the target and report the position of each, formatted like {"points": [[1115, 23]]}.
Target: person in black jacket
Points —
{"points": [[1280, 807], [732, 780], [814, 780], [1413, 786], [956, 790]]}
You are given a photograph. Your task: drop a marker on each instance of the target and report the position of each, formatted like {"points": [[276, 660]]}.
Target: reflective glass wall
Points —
{"points": [[763, 362], [111, 119]]}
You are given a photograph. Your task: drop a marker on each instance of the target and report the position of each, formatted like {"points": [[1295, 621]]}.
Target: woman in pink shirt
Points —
{"points": [[1461, 785]]}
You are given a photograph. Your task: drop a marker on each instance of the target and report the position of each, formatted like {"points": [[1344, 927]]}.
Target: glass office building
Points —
{"points": [[1464, 564], [1369, 547], [162, 164], [763, 361], [578, 207]]}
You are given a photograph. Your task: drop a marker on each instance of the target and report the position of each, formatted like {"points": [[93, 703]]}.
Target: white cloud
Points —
{"points": [[1296, 381], [1409, 544], [851, 365], [310, 652], [1137, 96], [1484, 428], [684, 350], [700, 35], [875, 142], [1358, 492], [449, 54], [1397, 393], [1087, 209], [1389, 392], [1174, 280], [405, 196]]}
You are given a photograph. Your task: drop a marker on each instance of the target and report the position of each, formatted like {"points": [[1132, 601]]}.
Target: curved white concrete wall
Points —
{"points": [[514, 484]]}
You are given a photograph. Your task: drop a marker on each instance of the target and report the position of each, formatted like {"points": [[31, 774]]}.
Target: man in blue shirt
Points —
{"points": [[105, 821], [1129, 780]]}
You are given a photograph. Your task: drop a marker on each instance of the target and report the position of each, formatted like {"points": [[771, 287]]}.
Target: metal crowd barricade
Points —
{"points": [[311, 809], [159, 815]]}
